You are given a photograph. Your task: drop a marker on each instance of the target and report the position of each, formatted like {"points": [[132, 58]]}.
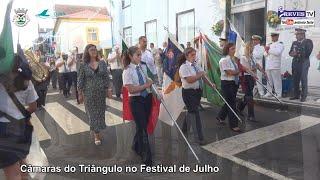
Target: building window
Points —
{"points": [[150, 29], [92, 35], [235, 2], [127, 35], [185, 26], [126, 3]]}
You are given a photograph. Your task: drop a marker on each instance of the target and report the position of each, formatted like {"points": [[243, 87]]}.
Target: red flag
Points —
{"points": [[127, 114]]}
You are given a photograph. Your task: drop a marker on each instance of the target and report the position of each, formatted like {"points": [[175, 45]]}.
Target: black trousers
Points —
{"points": [[54, 78], [60, 81], [192, 98], [141, 109], [117, 80], [300, 74], [248, 98], [66, 83], [229, 91], [74, 80], [41, 89]]}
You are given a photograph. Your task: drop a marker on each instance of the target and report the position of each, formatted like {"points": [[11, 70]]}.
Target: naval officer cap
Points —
{"points": [[256, 37], [300, 31], [274, 34]]}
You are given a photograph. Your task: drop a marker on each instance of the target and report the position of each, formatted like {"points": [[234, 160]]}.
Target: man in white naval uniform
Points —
{"points": [[257, 55], [273, 55]]}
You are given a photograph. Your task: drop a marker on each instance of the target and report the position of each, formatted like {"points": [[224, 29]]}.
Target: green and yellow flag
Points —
{"points": [[213, 56], [6, 44]]}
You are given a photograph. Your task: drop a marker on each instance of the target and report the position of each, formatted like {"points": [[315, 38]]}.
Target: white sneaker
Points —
{"points": [[267, 95]]}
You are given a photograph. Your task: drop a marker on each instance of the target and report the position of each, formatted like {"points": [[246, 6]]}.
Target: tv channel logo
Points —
{"points": [[282, 13]]}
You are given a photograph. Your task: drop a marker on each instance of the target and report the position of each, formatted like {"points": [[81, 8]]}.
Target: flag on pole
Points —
{"points": [[127, 113], [6, 44], [171, 87], [236, 38], [124, 46], [213, 55]]}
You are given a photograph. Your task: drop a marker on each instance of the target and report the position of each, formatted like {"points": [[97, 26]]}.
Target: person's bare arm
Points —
{"points": [[136, 89], [192, 79], [32, 107]]}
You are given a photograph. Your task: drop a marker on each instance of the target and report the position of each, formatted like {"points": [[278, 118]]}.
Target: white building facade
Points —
{"points": [[186, 18], [183, 18], [250, 17]]}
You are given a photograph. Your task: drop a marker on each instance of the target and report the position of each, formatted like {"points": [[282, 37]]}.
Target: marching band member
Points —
{"points": [[191, 74], [140, 100]]}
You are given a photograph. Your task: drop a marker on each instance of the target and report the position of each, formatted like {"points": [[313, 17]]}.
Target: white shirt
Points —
{"points": [[187, 70], [147, 57], [225, 63], [130, 77], [113, 63], [7, 105], [257, 54], [73, 67], [273, 59], [246, 63], [63, 68]]}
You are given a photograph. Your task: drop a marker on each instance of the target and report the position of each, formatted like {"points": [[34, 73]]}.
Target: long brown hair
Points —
{"points": [[126, 55], [183, 57], [248, 50], [86, 55]]}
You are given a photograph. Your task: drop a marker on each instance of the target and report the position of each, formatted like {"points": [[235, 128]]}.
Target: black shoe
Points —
{"points": [[202, 142], [303, 99], [294, 98], [220, 121]]}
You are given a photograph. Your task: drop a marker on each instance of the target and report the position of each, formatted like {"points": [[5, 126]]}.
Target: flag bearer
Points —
{"points": [[140, 101], [191, 75]]}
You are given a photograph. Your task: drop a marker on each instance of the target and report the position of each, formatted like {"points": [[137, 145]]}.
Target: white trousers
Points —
{"points": [[259, 86], [274, 77]]}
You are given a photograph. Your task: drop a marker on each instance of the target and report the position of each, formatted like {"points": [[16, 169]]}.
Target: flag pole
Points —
{"points": [[211, 84], [251, 73], [270, 92], [154, 89]]}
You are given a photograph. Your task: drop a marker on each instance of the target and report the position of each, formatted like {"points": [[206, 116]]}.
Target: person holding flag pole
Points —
{"points": [[230, 84], [191, 77], [249, 66], [140, 100]]}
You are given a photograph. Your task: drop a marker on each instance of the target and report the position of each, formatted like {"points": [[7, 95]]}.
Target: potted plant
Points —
{"points": [[273, 19], [218, 28]]}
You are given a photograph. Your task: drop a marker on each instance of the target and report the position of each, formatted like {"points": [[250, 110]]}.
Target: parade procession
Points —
{"points": [[145, 89]]}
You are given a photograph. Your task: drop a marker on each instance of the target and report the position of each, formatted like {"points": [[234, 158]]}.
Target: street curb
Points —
{"points": [[289, 104]]}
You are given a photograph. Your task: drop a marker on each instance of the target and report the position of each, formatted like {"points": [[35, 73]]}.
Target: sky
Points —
{"points": [[29, 32]]}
